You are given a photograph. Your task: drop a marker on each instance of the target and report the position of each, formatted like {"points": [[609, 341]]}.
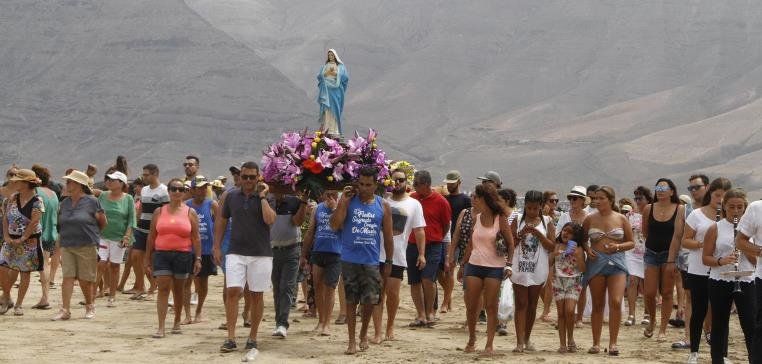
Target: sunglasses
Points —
{"points": [[574, 198], [694, 188], [249, 177], [400, 180], [662, 189], [176, 189]]}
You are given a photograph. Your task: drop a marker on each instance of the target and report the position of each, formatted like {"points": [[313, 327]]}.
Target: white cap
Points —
{"points": [[118, 176]]}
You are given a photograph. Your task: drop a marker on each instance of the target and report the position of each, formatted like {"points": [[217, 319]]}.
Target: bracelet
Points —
{"points": [[198, 259], [718, 262]]}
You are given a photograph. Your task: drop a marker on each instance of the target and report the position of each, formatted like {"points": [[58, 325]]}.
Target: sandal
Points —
{"points": [[223, 326], [682, 344], [630, 320], [614, 351], [61, 316], [18, 311], [571, 348], [139, 296], [594, 350], [41, 306], [417, 323]]}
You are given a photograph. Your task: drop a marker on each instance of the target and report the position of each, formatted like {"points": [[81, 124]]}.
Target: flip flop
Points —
{"points": [[594, 350], [157, 336], [41, 306], [138, 296], [176, 331]]}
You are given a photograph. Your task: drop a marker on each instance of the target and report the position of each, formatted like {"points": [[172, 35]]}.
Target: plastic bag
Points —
{"points": [[505, 306]]}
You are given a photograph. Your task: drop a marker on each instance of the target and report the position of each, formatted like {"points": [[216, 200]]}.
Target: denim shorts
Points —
{"points": [[483, 272], [433, 254], [655, 259]]}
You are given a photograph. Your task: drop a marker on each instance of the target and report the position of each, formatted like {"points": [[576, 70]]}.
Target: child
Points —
{"points": [[569, 262]]}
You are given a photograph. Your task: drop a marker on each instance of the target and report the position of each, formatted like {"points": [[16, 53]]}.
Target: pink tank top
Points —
{"points": [[483, 242], [173, 231]]}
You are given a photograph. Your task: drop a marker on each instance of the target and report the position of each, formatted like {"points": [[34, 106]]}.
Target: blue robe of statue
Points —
{"points": [[331, 90]]}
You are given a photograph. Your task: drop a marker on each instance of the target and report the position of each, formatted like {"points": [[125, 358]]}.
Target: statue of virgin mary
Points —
{"points": [[332, 85]]}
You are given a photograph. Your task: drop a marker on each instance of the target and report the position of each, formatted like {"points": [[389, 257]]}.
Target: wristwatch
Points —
{"points": [[388, 261], [198, 259]]}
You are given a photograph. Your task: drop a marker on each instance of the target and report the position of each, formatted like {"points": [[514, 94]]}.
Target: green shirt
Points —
{"points": [[49, 219], [119, 216]]}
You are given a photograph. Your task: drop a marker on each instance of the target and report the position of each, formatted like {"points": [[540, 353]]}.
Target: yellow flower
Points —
{"points": [[314, 144], [312, 156], [317, 140], [387, 182], [374, 146], [330, 178]]}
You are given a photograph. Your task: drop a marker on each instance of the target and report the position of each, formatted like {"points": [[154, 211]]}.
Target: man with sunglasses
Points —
{"points": [[697, 187], [153, 196], [250, 257]]}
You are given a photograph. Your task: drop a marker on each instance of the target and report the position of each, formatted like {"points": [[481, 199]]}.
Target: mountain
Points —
{"points": [[548, 93]]}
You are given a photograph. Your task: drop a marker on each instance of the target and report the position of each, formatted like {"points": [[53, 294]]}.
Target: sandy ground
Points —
{"points": [[122, 334]]}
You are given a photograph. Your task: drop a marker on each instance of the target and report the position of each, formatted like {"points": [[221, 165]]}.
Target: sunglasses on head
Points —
{"points": [[662, 188], [249, 177], [176, 189], [694, 188]]}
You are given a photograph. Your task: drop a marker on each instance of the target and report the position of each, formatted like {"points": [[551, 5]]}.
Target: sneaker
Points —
{"points": [[677, 322], [646, 320], [194, 299], [90, 312], [693, 358], [502, 330], [281, 331], [251, 355], [482, 317], [61, 316], [228, 346], [250, 344]]}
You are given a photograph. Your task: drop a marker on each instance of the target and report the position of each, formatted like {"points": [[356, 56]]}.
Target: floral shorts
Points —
{"points": [[567, 288]]}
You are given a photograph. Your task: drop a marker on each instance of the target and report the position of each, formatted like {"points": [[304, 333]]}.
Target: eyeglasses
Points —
{"points": [[188, 164], [694, 188], [662, 189], [176, 189], [553, 200], [249, 177]]}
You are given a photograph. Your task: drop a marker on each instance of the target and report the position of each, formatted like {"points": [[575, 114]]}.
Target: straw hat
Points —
{"points": [[579, 191], [26, 175], [78, 177]]}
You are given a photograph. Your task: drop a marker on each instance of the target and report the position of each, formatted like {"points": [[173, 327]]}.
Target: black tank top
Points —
{"points": [[660, 232]]}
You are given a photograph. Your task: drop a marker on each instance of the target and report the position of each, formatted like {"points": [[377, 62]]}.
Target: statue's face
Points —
{"points": [[331, 57]]}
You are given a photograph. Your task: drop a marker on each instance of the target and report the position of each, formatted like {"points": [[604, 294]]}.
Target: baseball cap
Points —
{"points": [[235, 169], [198, 181], [491, 176], [452, 177], [118, 176]]}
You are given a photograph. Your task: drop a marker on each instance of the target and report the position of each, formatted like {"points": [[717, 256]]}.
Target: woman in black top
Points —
{"points": [[663, 227]]}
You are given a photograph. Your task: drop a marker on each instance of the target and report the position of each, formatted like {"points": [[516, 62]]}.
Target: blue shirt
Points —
{"points": [[326, 240], [361, 234], [205, 224]]}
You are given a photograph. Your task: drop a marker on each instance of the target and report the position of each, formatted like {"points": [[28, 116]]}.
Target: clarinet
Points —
{"points": [[737, 254]]}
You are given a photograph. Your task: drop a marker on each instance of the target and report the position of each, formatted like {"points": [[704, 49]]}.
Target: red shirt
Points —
{"points": [[437, 213]]}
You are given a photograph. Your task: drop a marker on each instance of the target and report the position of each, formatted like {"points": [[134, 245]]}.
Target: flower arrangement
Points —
{"points": [[313, 161], [405, 166]]}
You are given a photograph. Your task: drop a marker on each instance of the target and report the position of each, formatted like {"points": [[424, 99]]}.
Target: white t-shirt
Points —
{"points": [[725, 246], [407, 215], [700, 224], [751, 226], [530, 259], [564, 219], [150, 200]]}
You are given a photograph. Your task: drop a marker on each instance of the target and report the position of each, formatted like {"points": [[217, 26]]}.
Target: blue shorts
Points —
{"points": [[433, 255], [611, 270], [655, 259], [140, 241], [483, 272], [442, 259]]}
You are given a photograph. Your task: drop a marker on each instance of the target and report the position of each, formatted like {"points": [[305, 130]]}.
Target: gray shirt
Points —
{"points": [[249, 235], [77, 224], [284, 232]]}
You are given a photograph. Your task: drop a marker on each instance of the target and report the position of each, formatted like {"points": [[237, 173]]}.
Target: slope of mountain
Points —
{"points": [[549, 93]]}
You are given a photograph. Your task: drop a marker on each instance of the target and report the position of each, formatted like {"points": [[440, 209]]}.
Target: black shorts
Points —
{"points": [[172, 263], [48, 246], [140, 240], [331, 265], [362, 283], [397, 270], [207, 267]]}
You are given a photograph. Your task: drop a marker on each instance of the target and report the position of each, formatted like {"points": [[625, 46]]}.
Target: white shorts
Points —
{"points": [[112, 251], [256, 271]]}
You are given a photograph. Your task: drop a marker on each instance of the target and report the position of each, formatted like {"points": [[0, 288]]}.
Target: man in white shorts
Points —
{"points": [[249, 258]]}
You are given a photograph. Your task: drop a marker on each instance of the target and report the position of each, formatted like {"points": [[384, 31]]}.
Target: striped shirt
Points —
{"points": [[150, 200]]}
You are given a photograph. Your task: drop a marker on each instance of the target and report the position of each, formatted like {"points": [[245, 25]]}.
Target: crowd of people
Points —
{"points": [[172, 237]]}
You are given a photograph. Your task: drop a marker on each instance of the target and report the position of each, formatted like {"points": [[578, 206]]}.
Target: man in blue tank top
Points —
{"points": [[362, 217], [207, 210]]}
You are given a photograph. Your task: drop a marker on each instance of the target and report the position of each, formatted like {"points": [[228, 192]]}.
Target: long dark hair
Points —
{"points": [[530, 197], [720, 183], [674, 198], [578, 232], [488, 193]]}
